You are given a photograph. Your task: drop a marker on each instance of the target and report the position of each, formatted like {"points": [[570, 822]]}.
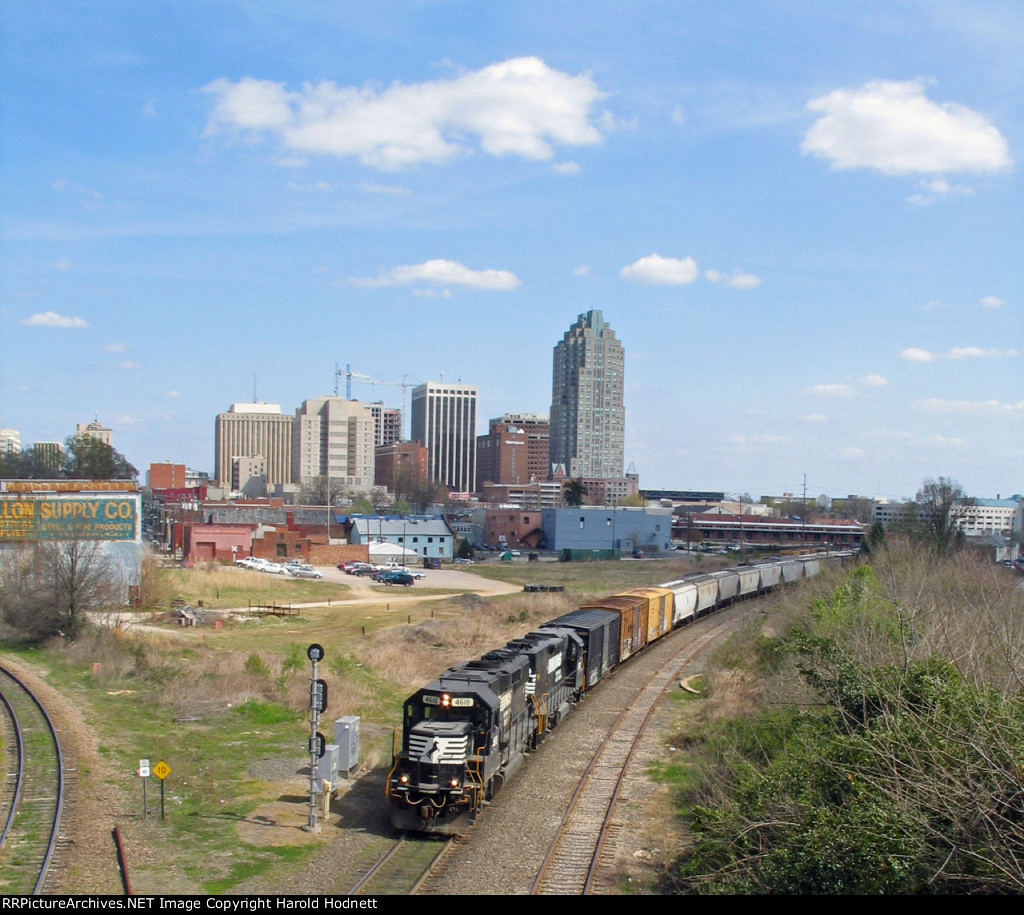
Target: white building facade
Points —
{"points": [[444, 422], [334, 437]]}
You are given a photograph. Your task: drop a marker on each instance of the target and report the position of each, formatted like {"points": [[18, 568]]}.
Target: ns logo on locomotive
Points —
{"points": [[466, 733]]}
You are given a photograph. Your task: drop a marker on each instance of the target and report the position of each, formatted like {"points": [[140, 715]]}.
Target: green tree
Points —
{"points": [[574, 493], [88, 458]]}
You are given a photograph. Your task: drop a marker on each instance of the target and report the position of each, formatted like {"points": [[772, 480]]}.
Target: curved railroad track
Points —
{"points": [[33, 794], [533, 809], [574, 856]]}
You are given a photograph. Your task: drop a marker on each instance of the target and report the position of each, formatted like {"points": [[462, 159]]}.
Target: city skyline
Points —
{"points": [[804, 222]]}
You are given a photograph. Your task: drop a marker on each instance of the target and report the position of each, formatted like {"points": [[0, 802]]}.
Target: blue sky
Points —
{"points": [[802, 219]]}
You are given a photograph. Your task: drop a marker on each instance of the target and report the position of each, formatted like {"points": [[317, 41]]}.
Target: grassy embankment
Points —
{"points": [[865, 735], [223, 706]]}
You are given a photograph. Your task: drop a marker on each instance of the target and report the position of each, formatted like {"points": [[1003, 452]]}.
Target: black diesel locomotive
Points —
{"points": [[466, 733]]}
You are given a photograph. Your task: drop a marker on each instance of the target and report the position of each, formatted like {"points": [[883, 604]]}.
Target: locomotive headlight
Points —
{"points": [[403, 779], [454, 783], [446, 700]]}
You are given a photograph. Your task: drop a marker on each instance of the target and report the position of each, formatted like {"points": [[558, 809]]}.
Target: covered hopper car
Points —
{"points": [[466, 733]]}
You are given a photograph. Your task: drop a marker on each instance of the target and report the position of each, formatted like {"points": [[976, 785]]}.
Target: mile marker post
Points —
{"points": [[144, 775]]}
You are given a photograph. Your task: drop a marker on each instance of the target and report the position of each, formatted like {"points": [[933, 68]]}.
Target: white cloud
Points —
{"points": [[938, 188], [933, 305], [394, 190], [656, 270], [958, 352], [990, 301], [519, 107], [128, 420], [112, 348], [314, 186], [918, 355], [173, 394], [832, 390], [874, 381], [441, 273], [433, 293], [64, 264], [813, 418], [582, 270], [52, 319], [128, 364], [851, 453], [738, 280], [678, 115], [64, 185], [566, 168], [942, 440], [974, 407], [895, 128]]}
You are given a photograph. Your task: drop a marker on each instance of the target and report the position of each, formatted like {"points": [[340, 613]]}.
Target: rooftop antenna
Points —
{"points": [[254, 387]]}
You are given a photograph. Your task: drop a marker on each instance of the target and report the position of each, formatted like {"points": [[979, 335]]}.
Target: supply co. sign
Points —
{"points": [[36, 518]]}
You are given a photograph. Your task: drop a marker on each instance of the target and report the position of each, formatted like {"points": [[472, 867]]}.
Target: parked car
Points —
{"points": [[305, 572], [395, 578]]}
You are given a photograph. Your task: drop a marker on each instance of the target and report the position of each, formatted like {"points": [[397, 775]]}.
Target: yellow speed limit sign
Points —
{"points": [[161, 770]]}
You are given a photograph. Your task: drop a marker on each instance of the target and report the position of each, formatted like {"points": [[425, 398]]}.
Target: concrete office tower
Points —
{"points": [[10, 441], [334, 437], [387, 423], [250, 429], [588, 419], [444, 422], [96, 430]]}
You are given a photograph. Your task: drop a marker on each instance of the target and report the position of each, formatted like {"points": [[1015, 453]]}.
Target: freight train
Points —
{"points": [[466, 733]]}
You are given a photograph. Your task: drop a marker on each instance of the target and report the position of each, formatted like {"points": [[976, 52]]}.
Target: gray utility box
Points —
{"points": [[327, 767], [346, 736]]}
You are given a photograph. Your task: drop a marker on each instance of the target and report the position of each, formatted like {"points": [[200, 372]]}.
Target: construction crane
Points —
{"points": [[348, 375]]}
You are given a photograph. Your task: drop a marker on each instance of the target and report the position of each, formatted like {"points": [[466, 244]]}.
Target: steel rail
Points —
{"points": [[576, 846], [59, 761]]}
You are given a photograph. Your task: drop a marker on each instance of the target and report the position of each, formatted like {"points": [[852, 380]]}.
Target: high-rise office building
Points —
{"points": [[387, 424], [588, 419], [514, 450], [334, 437], [10, 441], [250, 430], [444, 422]]}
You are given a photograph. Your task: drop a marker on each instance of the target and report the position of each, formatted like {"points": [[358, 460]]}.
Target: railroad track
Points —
{"points": [[402, 870], [585, 836], [33, 793]]}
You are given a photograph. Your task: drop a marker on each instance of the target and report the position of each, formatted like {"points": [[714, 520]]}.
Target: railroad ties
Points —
{"points": [[584, 843], [33, 790]]}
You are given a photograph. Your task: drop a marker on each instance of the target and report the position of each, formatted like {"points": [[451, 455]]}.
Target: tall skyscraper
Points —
{"points": [[334, 436], [444, 422], [588, 419], [250, 430]]}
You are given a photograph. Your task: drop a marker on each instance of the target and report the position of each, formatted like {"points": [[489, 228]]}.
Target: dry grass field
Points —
{"points": [[226, 703]]}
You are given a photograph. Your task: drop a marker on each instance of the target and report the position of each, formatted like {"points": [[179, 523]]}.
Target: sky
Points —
{"points": [[803, 220]]}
